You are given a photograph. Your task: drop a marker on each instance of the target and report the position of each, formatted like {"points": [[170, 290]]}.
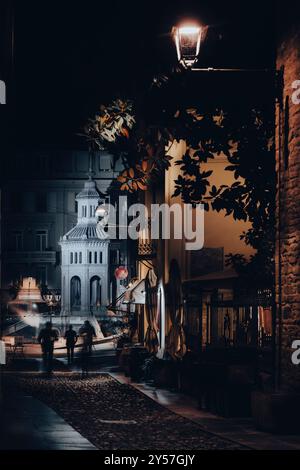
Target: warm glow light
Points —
{"points": [[189, 30], [187, 39], [100, 211]]}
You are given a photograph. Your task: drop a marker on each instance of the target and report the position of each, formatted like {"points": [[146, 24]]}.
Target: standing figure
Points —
{"points": [[87, 332], [71, 339], [46, 338]]}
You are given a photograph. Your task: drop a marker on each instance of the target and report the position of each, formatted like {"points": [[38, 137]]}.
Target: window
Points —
{"points": [[17, 240], [100, 257], [105, 162], [95, 257], [76, 258], [80, 257], [71, 258], [83, 211], [75, 288], [41, 202], [90, 257], [41, 242], [95, 292], [115, 257], [92, 212]]}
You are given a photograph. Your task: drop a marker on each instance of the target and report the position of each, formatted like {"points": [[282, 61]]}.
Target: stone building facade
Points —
{"points": [[85, 259], [38, 206], [288, 204]]}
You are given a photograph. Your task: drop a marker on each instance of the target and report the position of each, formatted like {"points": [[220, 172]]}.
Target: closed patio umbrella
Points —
{"points": [[151, 338], [176, 338]]}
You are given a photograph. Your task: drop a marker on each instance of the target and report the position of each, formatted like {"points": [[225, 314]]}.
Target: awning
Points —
{"points": [[215, 276], [136, 293]]}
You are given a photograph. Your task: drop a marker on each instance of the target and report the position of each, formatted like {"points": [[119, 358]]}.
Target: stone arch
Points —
{"points": [[95, 291], [75, 291]]}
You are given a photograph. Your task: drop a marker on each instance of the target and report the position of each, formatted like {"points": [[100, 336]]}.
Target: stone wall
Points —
{"points": [[288, 210]]}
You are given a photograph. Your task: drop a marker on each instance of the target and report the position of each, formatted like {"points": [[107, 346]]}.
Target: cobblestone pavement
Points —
{"points": [[112, 415]]}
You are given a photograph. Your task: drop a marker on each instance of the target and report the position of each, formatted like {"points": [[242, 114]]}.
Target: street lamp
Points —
{"points": [[101, 211], [187, 39]]}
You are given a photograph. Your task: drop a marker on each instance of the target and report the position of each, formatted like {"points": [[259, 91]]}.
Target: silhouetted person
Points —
{"points": [[46, 338], [71, 339], [87, 332]]}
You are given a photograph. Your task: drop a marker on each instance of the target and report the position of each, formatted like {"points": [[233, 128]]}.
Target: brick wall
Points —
{"points": [[288, 210]]}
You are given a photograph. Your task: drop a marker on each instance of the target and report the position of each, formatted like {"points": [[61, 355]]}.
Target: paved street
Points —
{"points": [[112, 415], [26, 423], [100, 412]]}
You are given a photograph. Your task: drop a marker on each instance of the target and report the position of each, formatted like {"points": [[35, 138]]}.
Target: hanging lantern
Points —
{"points": [[101, 211], [121, 273], [187, 39]]}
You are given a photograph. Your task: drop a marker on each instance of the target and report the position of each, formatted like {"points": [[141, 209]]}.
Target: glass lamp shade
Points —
{"points": [[121, 273], [101, 211], [187, 40]]}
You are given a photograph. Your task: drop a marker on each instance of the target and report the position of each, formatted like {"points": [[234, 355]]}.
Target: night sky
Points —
{"points": [[72, 56]]}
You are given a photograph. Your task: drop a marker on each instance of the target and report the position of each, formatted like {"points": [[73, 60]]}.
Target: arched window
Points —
{"points": [[100, 257], [84, 211], [95, 291], [92, 211], [90, 257], [95, 257], [75, 288], [76, 258], [71, 258]]}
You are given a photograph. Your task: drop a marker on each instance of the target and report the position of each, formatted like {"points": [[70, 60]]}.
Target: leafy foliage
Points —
{"points": [[245, 138], [249, 148], [113, 122]]}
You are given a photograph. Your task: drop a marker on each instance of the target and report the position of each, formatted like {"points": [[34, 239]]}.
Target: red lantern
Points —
{"points": [[121, 273]]}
